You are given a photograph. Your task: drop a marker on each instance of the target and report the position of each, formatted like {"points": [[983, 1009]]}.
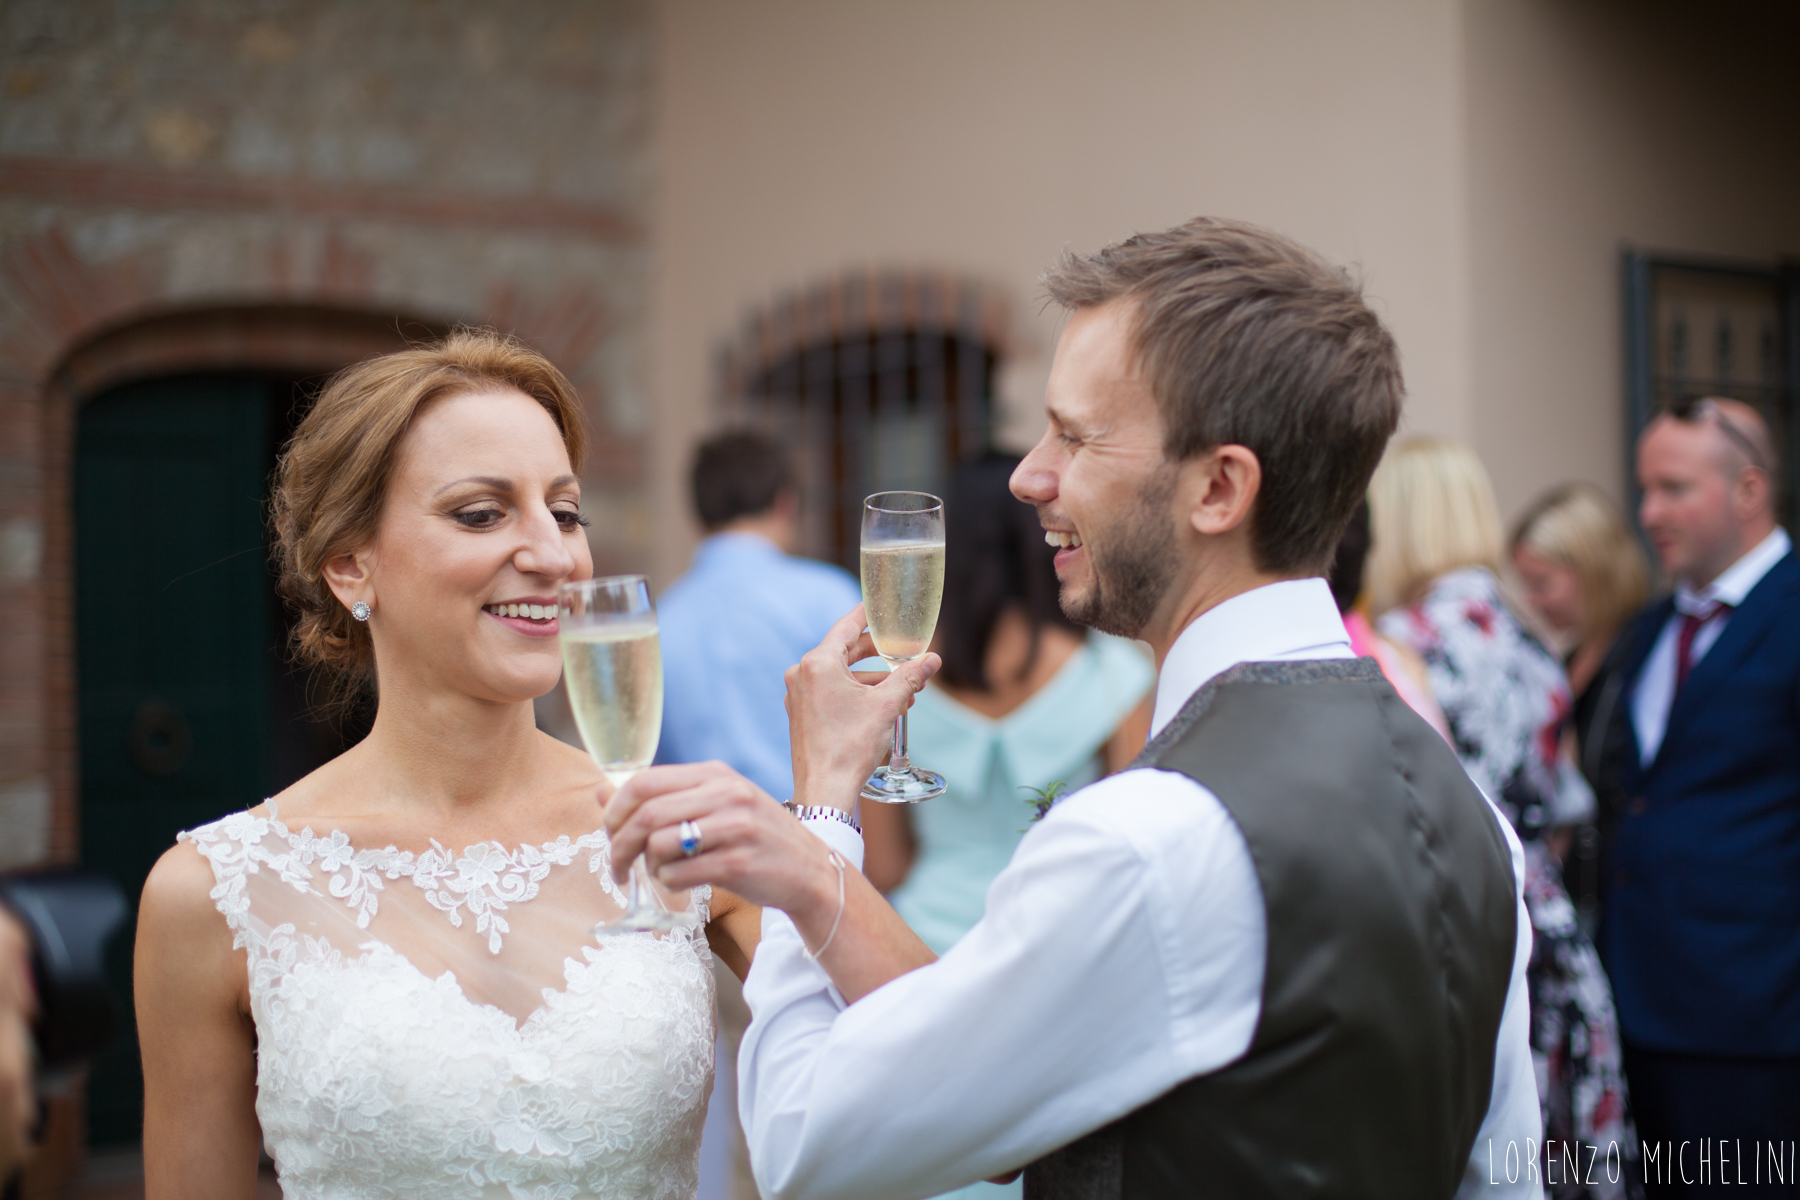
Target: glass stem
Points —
{"points": [[634, 894], [899, 763]]}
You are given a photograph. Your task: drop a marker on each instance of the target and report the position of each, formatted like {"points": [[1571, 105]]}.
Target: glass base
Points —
{"points": [[646, 920], [888, 786]]}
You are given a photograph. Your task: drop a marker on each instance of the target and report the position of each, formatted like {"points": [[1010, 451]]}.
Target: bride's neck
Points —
{"points": [[448, 753]]}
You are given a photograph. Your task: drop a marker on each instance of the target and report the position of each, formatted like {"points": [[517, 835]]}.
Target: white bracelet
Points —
{"points": [[836, 860]]}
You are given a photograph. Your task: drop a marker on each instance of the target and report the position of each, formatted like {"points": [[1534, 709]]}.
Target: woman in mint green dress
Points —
{"points": [[1025, 700]]}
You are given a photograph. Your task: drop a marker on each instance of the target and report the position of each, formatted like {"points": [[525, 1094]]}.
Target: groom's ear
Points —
{"points": [[1222, 485]]}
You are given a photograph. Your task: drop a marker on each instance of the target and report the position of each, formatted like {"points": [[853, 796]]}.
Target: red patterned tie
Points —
{"points": [[1691, 624]]}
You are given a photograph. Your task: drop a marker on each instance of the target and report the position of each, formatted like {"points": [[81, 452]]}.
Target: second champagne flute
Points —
{"points": [[612, 665], [902, 586]]}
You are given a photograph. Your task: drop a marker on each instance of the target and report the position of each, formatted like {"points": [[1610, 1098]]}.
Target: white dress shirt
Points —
{"points": [[1655, 693], [1121, 953]]}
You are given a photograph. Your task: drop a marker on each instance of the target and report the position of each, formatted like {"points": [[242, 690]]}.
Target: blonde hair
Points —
{"points": [[1579, 527], [1431, 511], [332, 480]]}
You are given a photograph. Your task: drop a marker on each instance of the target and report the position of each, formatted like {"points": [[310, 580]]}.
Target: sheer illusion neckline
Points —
{"points": [[338, 837], [482, 880]]}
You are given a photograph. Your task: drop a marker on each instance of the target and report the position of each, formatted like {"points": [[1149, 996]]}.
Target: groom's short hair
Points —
{"points": [[1250, 339]]}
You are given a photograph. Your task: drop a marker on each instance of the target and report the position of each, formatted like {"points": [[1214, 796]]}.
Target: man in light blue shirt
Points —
{"points": [[743, 614]]}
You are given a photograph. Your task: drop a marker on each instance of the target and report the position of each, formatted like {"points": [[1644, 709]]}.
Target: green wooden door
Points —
{"points": [[174, 623]]}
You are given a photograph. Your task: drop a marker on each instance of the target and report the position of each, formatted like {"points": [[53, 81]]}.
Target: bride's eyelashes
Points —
{"points": [[488, 517], [479, 518]]}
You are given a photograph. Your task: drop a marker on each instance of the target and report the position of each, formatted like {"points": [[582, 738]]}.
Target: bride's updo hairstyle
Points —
{"points": [[332, 480]]}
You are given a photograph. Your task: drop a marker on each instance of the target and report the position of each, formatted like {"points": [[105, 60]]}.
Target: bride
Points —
{"points": [[384, 973]]}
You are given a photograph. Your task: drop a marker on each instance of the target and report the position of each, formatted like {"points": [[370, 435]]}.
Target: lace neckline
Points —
{"points": [[483, 880], [338, 837]]}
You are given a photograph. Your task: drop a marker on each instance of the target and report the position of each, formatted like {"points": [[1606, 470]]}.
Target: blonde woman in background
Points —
{"points": [[1585, 578], [1433, 577]]}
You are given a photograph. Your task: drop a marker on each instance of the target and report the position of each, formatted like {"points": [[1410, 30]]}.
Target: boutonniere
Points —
{"points": [[1043, 799]]}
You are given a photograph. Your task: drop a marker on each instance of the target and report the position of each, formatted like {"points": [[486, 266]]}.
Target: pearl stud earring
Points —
{"points": [[360, 611]]}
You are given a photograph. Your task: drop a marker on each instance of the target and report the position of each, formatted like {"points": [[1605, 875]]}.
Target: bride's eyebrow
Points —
{"points": [[490, 481]]}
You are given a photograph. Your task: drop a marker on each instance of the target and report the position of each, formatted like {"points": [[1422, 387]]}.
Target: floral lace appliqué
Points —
{"points": [[483, 880]]}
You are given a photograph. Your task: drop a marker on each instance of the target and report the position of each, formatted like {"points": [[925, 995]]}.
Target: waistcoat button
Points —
{"points": [[1637, 806]]}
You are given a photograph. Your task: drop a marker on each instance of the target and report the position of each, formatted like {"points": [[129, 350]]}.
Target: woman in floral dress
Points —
{"points": [[1432, 576]]}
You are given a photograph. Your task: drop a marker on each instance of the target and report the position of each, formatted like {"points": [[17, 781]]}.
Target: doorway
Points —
{"points": [[188, 706]]}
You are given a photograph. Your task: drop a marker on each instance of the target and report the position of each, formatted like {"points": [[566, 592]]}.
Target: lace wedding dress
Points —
{"points": [[441, 1025]]}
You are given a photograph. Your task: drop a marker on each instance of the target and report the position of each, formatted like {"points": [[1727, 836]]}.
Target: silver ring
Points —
{"points": [[690, 839]]}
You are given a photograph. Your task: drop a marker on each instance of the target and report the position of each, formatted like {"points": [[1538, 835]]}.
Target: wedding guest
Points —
{"points": [[1702, 918], [1433, 575], [1584, 578], [744, 613], [1401, 667], [1026, 702], [1236, 969]]}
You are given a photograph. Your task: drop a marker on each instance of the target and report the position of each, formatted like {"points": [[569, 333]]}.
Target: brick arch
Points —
{"points": [[267, 336], [299, 337]]}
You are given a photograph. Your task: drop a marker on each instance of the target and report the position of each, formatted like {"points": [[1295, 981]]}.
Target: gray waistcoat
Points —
{"points": [[1388, 890]]}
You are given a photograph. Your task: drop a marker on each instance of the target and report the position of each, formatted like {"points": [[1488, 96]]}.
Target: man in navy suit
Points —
{"points": [[1702, 923]]}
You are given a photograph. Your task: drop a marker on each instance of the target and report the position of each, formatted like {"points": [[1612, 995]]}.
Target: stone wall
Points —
{"points": [[201, 184]]}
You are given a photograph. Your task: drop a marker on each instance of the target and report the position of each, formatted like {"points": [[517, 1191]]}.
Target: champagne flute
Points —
{"points": [[902, 586], [612, 664]]}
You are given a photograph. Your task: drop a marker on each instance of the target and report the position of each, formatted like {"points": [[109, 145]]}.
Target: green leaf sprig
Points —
{"points": [[1044, 798]]}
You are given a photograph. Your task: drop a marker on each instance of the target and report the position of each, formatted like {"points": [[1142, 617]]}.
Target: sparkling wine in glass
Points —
{"points": [[612, 666], [902, 586]]}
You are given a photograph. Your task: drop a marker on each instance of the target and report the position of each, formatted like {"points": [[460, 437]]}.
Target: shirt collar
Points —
{"points": [[1736, 581], [721, 547], [1293, 619]]}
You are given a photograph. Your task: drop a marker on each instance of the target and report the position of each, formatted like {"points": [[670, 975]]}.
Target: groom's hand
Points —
{"points": [[748, 842], [753, 846], [841, 722]]}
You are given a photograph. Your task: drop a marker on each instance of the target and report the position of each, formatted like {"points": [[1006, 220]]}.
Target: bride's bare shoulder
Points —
{"points": [[176, 914], [187, 974]]}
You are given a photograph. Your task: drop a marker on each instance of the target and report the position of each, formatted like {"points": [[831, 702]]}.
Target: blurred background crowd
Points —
{"points": [[819, 225]]}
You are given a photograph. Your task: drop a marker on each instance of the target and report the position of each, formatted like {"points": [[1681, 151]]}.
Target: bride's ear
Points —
{"points": [[351, 577]]}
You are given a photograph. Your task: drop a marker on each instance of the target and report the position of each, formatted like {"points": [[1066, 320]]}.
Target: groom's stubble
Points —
{"points": [[1132, 561]]}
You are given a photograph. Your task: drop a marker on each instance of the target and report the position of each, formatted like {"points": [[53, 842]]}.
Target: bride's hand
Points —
{"points": [[841, 722], [748, 843]]}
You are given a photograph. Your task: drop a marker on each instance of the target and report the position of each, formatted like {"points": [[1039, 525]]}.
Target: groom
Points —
{"points": [[1284, 955]]}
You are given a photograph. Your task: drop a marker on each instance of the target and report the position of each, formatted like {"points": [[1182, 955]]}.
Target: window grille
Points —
{"points": [[1698, 327], [875, 381]]}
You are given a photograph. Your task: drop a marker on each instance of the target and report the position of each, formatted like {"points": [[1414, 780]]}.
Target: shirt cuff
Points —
{"points": [[838, 836]]}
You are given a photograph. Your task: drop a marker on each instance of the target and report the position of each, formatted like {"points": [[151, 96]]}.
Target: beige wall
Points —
{"points": [[797, 137], [1482, 161], [1593, 125]]}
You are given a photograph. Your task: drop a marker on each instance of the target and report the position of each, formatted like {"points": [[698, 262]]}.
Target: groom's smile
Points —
{"points": [[1095, 476]]}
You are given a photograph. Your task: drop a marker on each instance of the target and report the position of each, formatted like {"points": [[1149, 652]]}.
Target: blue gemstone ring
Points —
{"points": [[690, 839]]}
